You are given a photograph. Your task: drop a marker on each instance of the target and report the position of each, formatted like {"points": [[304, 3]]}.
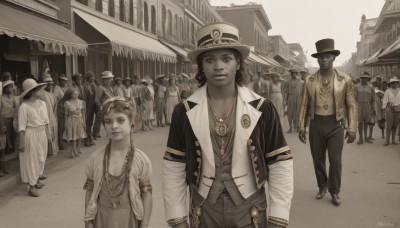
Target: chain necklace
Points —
{"points": [[325, 87], [116, 190], [221, 127]]}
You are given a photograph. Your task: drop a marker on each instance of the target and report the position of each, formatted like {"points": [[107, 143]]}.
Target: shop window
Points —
{"points": [[169, 22], [122, 10], [84, 2], [164, 19], [176, 25], [131, 12], [111, 8], [139, 14], [153, 19], [146, 17], [99, 5]]}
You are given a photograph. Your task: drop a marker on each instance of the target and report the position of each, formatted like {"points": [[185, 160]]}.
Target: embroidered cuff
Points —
{"points": [[146, 187], [278, 221], [176, 221], [89, 184]]}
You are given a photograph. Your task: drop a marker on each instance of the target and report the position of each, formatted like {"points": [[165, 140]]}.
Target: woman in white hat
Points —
{"points": [[225, 143], [33, 135], [391, 103], [8, 106]]}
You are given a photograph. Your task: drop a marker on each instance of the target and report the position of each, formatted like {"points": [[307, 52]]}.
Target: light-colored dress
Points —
{"points": [[53, 123], [32, 120], [172, 101], [97, 208], [75, 122], [277, 98]]}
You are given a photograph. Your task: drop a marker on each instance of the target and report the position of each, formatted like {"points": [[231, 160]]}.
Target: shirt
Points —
{"points": [[391, 96]]}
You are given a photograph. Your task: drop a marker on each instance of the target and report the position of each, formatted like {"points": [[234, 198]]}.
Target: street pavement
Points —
{"points": [[370, 189]]}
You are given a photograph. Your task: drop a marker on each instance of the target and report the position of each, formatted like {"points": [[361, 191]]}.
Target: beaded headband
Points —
{"points": [[112, 100]]}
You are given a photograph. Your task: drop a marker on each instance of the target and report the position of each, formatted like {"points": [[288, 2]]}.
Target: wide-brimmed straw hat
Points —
{"points": [[159, 76], [184, 75], [6, 83], [217, 35], [30, 84], [394, 80], [325, 46], [107, 74]]}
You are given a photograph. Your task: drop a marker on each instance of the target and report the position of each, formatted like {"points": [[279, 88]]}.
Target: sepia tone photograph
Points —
{"points": [[199, 113]]}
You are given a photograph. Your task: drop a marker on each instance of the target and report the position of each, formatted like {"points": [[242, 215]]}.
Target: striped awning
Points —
{"points": [[53, 37], [127, 42]]}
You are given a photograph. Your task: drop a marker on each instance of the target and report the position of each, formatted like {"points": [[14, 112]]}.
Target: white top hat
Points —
{"points": [[217, 35]]}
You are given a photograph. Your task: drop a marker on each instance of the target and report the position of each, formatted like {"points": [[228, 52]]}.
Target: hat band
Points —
{"points": [[225, 37], [325, 50]]}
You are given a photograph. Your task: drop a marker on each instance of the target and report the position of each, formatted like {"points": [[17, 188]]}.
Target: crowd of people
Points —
{"points": [[72, 112]]}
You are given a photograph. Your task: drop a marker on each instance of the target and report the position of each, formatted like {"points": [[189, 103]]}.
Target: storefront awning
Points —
{"points": [[178, 50], [256, 58], [374, 58], [129, 43], [271, 61], [392, 51], [282, 60], [55, 37]]}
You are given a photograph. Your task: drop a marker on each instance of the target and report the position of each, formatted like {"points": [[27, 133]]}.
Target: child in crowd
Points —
{"points": [[74, 129], [118, 189]]}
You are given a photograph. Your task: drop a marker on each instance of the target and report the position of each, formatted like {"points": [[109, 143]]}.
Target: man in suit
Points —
{"points": [[328, 101]]}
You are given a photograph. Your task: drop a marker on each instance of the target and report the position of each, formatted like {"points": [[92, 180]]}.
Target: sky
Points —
{"points": [[306, 21]]}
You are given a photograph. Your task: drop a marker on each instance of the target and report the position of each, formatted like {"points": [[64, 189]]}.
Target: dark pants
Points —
{"points": [[327, 133], [224, 213], [90, 111], [10, 135], [97, 123]]}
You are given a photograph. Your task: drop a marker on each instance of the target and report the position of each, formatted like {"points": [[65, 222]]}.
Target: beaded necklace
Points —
{"points": [[116, 190]]}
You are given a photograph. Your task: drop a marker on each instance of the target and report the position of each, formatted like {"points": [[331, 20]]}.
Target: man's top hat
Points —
{"points": [[217, 35], [325, 46], [365, 74]]}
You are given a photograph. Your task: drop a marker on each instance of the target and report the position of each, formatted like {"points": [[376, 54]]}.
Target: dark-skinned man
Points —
{"points": [[327, 99]]}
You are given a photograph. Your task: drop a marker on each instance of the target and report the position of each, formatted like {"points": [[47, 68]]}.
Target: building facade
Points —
{"points": [[34, 37]]}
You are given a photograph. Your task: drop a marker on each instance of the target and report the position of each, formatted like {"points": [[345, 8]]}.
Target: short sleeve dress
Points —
{"points": [[74, 123]]}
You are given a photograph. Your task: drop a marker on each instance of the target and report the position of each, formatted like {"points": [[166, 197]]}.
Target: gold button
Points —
{"points": [[197, 143], [252, 148], [199, 160], [198, 152], [249, 142], [196, 174]]}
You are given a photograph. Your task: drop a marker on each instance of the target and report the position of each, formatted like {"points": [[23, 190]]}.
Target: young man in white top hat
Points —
{"points": [[226, 143]]}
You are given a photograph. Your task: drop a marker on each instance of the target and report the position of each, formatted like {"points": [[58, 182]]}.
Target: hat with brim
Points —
{"points": [[365, 75], [127, 79], [379, 91], [325, 46], [219, 35], [393, 80], [160, 76], [62, 77], [107, 74], [143, 80], [48, 80], [6, 83], [30, 84], [184, 75]]}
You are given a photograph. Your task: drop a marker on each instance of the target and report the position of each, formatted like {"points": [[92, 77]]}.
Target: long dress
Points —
{"points": [[172, 101], [53, 124], [74, 122], [32, 120], [277, 98]]}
